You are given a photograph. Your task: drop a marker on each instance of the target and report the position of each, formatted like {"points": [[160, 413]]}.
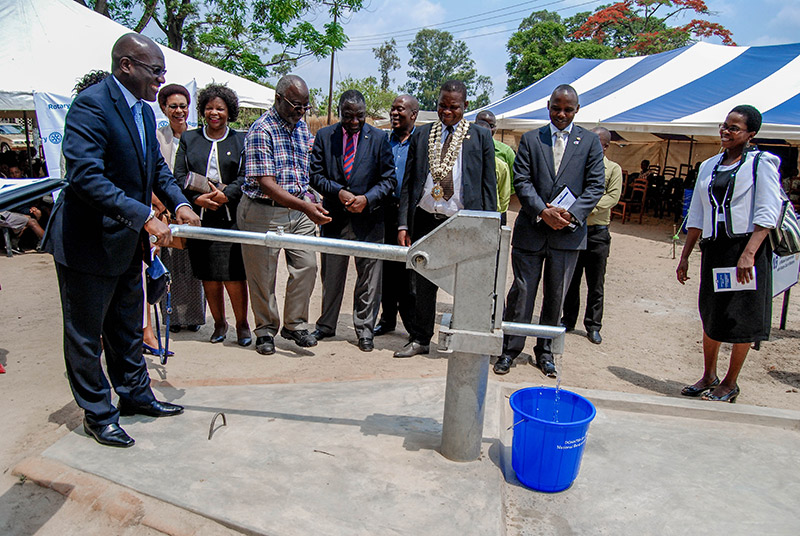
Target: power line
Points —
{"points": [[360, 47]]}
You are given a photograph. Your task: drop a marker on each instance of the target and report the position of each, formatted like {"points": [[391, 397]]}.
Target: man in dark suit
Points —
{"points": [[459, 174], [558, 160], [353, 168], [98, 235]]}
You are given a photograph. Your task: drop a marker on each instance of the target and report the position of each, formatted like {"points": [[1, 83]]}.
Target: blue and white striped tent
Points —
{"points": [[684, 91]]}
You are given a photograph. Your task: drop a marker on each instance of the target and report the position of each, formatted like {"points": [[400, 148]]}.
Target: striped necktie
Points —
{"points": [[447, 181], [349, 155], [137, 118]]}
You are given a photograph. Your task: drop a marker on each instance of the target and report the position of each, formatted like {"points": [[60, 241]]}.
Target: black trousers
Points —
{"points": [[395, 292], [423, 292], [555, 266], [593, 262], [92, 306]]}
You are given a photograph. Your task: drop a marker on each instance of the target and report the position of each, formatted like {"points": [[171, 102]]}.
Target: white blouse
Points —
{"points": [[749, 206]]}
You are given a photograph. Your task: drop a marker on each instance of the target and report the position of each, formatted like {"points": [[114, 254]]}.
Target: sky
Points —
{"points": [[771, 22]]}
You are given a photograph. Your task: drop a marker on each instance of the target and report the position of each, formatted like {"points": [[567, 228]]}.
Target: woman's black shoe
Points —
{"points": [[194, 328], [691, 390], [730, 396], [219, 333], [174, 329]]}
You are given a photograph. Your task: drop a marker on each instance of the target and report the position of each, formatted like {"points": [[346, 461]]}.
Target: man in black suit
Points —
{"points": [[353, 168], [558, 160], [98, 235], [458, 174]]}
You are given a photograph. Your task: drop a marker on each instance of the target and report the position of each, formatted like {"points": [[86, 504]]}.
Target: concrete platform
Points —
{"points": [[360, 458]]}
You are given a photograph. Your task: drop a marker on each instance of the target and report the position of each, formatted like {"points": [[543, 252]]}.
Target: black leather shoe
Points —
{"points": [[594, 336], [194, 328], [174, 329], [265, 345], [301, 337], [110, 435], [219, 333], [411, 349], [547, 366], [321, 335], [567, 328], [502, 364], [365, 344], [153, 409], [382, 329]]}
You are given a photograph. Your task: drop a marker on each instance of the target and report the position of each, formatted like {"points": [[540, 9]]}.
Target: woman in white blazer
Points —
{"points": [[736, 202]]}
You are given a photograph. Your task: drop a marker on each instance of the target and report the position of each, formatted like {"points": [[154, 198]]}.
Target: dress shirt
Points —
{"points": [[601, 215], [273, 148], [131, 100], [554, 131], [749, 206], [400, 152], [456, 202]]}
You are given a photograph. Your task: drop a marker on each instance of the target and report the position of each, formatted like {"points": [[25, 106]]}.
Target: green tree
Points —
{"points": [[378, 100], [236, 35], [436, 57], [542, 44], [388, 61], [638, 27]]}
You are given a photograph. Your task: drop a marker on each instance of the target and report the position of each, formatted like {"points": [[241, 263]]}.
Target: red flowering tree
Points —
{"points": [[638, 27]]}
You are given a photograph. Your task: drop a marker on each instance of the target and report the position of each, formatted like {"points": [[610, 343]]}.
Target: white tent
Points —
{"points": [[47, 45], [684, 91]]}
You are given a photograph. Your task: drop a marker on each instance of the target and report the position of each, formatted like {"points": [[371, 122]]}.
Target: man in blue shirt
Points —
{"points": [[395, 296]]}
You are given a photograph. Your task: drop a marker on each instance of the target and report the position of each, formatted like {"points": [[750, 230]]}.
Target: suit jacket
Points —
{"points": [[536, 183], [96, 225], [372, 176], [165, 137], [478, 178], [193, 152]]}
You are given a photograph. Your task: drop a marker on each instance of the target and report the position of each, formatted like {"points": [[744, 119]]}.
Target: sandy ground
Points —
{"points": [[651, 344]]}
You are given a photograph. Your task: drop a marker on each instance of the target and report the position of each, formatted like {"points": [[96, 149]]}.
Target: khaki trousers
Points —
{"points": [[261, 265]]}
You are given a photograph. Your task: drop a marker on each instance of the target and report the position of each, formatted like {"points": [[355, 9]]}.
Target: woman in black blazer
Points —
{"points": [[217, 152]]}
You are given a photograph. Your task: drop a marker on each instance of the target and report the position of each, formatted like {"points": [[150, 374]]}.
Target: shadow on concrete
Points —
{"points": [[789, 378], [70, 415], [3, 357], [419, 433], [778, 334], [17, 518], [664, 387]]}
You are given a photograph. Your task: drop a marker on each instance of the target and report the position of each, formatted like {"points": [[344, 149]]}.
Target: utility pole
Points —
{"points": [[330, 85]]}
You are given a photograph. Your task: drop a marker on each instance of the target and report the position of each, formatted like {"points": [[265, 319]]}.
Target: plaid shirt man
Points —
{"points": [[273, 148]]}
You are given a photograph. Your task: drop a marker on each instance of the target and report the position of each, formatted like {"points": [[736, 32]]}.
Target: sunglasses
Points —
{"points": [[176, 106], [303, 108], [156, 70]]}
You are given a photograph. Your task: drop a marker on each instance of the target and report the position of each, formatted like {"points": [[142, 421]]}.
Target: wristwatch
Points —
{"points": [[151, 215]]}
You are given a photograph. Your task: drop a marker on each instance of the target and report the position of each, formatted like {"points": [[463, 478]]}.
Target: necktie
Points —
{"points": [[349, 155], [447, 182], [558, 148], [137, 118]]}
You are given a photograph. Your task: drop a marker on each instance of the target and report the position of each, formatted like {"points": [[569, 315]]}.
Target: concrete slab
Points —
{"points": [[360, 458], [669, 466], [344, 458]]}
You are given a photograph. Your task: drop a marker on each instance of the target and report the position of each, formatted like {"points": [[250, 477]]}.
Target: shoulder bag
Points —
{"points": [[785, 237]]}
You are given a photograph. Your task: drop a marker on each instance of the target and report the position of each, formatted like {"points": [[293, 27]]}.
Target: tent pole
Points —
{"points": [[691, 146], [27, 143], [666, 156]]}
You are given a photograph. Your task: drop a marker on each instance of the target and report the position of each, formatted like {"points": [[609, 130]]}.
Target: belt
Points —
{"points": [[265, 201], [597, 227]]}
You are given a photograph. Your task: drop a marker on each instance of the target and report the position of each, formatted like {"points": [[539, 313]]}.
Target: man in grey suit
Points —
{"points": [[556, 161], [459, 175], [353, 168]]}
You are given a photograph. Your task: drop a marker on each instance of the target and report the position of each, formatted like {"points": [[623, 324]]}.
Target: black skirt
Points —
{"points": [[217, 261], [739, 316]]}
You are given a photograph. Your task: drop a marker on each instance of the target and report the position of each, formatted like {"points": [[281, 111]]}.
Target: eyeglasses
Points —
{"points": [[176, 106], [155, 70], [730, 128], [302, 108]]}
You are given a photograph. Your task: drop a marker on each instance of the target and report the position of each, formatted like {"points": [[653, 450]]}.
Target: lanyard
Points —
{"points": [[718, 207]]}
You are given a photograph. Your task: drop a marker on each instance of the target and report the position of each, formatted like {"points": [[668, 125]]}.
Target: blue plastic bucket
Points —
{"points": [[549, 437]]}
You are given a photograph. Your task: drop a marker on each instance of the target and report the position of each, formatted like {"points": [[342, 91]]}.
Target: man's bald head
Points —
{"points": [[565, 89], [138, 64], [289, 81], [604, 135], [132, 45], [489, 118], [291, 98]]}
